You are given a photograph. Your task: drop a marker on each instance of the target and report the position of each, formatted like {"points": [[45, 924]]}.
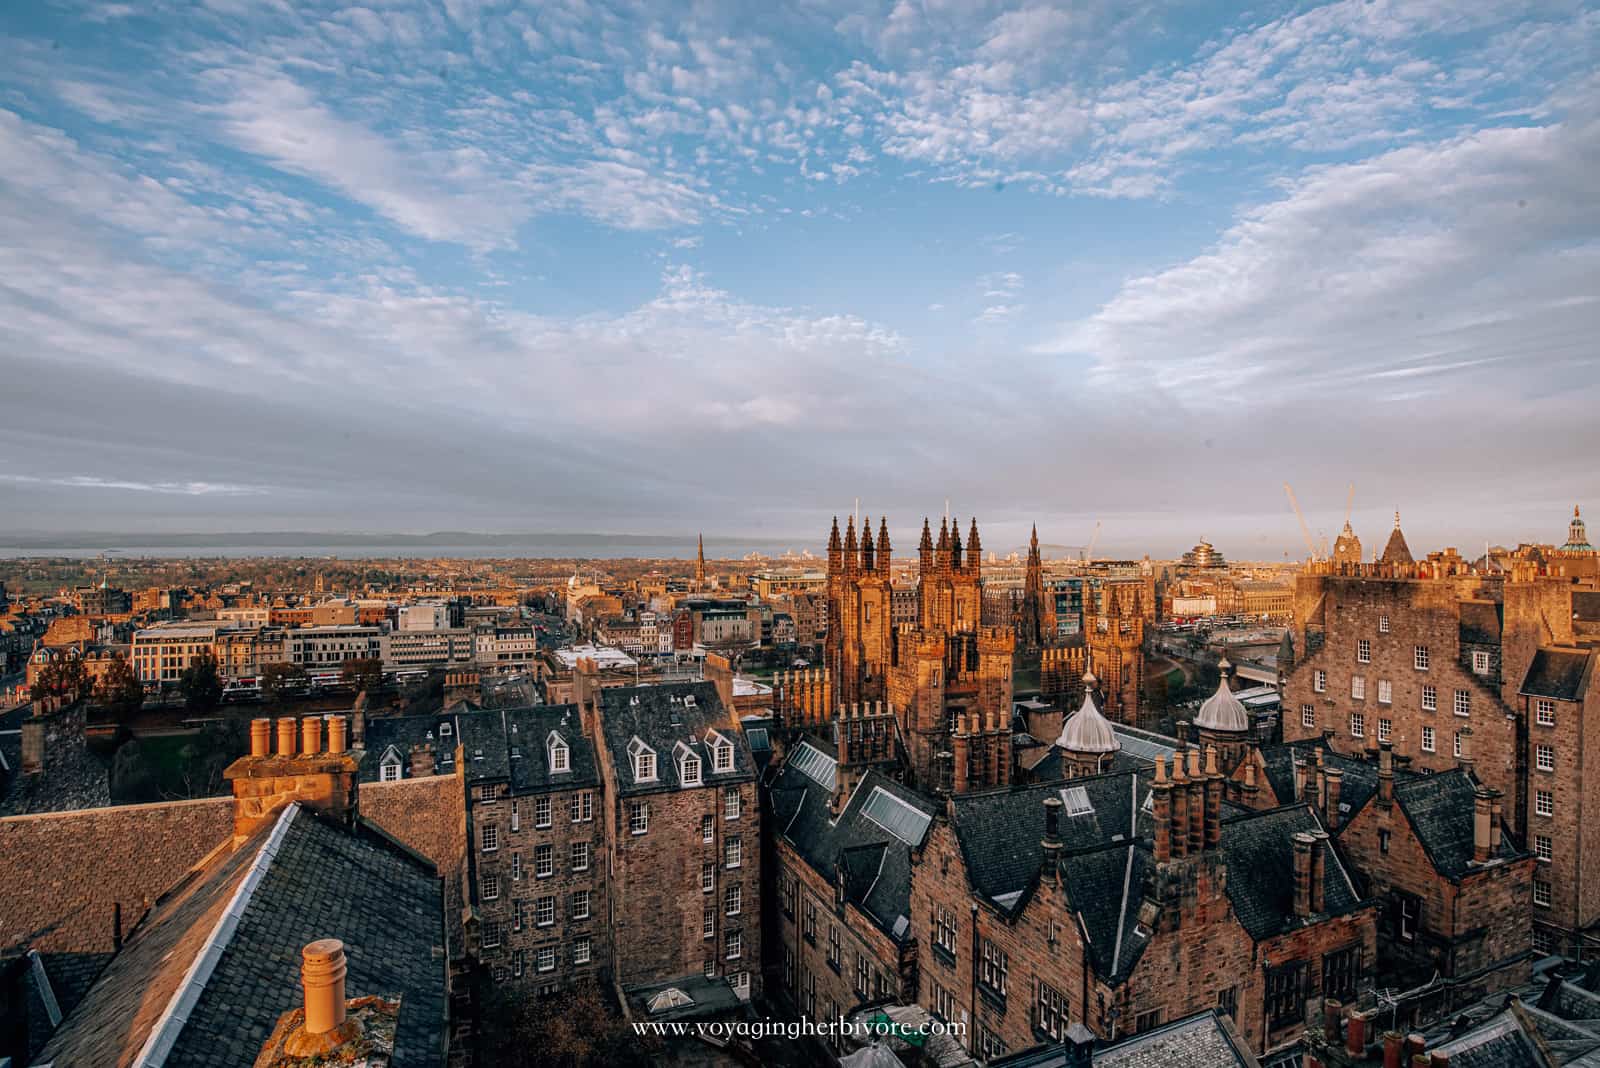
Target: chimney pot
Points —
{"points": [[322, 971], [337, 737], [286, 732], [1482, 817], [311, 735], [1355, 1034], [260, 737], [1393, 1049]]}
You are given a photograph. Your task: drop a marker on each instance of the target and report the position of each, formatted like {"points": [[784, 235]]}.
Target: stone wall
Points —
{"points": [[63, 873]]}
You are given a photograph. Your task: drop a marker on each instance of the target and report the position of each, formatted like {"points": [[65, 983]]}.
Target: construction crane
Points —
{"points": [[1088, 550], [1349, 503], [1305, 531]]}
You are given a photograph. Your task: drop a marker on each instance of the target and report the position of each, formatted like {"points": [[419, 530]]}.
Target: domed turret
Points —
{"points": [[1087, 730], [1222, 711]]}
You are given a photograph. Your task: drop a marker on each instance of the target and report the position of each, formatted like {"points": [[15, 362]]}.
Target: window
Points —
{"points": [[993, 971], [1544, 757], [711, 967], [1480, 663], [1456, 744], [1358, 725], [491, 838], [689, 770], [516, 867], [1308, 716], [734, 941], [1383, 624], [1146, 1021], [1385, 729], [1286, 994], [1407, 913], [544, 911], [1050, 1013], [582, 807], [1430, 699], [732, 899], [1544, 847], [560, 755], [834, 954], [1364, 651], [721, 755], [544, 861], [1383, 841], [808, 922], [1541, 893], [580, 856], [544, 958], [1542, 942], [944, 930], [644, 761], [487, 795], [389, 773], [786, 895], [1319, 680], [1385, 692], [863, 974], [1463, 703], [708, 825], [1228, 1002], [516, 817], [708, 922], [489, 885], [989, 1045], [944, 1006], [732, 803], [638, 817], [489, 936], [1419, 657], [732, 852], [1341, 970], [518, 960], [582, 949], [708, 877], [580, 904], [541, 811], [1358, 688], [1545, 712], [1544, 803]]}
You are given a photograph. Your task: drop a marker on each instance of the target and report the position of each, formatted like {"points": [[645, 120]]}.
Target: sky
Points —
{"points": [[643, 267]]}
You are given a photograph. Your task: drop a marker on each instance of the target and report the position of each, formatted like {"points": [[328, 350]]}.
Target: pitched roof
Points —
{"points": [[1480, 622], [1204, 1040], [1500, 1043], [435, 730], [1395, 551], [527, 737], [1106, 887], [1259, 850], [207, 973], [1561, 674], [1440, 810], [661, 717], [870, 849]]}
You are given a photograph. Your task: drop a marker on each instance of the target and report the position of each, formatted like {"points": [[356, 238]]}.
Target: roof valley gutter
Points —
{"points": [[164, 1036], [1122, 912]]}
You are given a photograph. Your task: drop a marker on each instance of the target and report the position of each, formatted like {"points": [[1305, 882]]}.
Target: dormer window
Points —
{"points": [[560, 755], [689, 771], [721, 752], [644, 761]]}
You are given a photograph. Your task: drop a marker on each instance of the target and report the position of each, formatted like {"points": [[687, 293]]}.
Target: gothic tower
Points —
{"points": [[1032, 631], [1116, 650]]}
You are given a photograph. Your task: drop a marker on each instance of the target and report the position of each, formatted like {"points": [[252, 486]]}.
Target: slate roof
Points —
{"points": [[1106, 887], [1203, 1040], [1586, 606], [1396, 551], [1500, 1043], [527, 736], [297, 879], [74, 776], [875, 863], [1440, 811], [1480, 622], [999, 831], [660, 717], [1562, 674], [1259, 850], [400, 733]]}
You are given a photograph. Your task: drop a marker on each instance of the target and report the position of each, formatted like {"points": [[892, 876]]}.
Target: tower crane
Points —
{"points": [[1305, 531], [1088, 550]]}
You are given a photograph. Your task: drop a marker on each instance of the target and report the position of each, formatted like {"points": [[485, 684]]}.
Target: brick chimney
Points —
{"points": [[1494, 823], [1161, 811], [33, 746], [1464, 761], [1213, 789], [1385, 774], [264, 783], [1333, 781], [960, 745], [328, 1028], [1051, 843], [1197, 803], [1319, 863], [718, 670], [423, 761], [1180, 807], [1482, 818]]}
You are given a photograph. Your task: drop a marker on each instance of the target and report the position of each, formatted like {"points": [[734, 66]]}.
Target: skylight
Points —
{"points": [[895, 816], [1076, 798], [816, 765]]}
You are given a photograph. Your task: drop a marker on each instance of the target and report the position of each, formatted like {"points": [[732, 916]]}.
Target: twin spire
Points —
{"points": [[863, 555]]}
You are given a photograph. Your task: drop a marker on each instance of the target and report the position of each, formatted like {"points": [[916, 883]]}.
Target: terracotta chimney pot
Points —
{"points": [[311, 735], [322, 971], [337, 739], [286, 733], [260, 737]]}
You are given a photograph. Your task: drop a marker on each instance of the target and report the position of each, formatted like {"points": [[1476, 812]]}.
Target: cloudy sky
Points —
{"points": [[580, 265]]}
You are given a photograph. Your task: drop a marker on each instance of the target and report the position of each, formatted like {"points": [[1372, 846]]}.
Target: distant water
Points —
{"points": [[663, 551]]}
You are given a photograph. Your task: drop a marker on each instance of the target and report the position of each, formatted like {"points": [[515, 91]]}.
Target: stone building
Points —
{"points": [[1491, 667], [682, 826], [1115, 639]]}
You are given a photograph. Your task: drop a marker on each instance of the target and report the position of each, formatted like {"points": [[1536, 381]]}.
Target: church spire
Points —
{"points": [[883, 542], [700, 562], [974, 548]]}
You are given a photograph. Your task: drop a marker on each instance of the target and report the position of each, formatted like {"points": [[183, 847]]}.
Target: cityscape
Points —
{"points": [[860, 533]]}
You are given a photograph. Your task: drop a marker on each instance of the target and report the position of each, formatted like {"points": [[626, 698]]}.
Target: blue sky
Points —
{"points": [[652, 267]]}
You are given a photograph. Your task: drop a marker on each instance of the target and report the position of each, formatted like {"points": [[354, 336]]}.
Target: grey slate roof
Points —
{"points": [[660, 717], [1106, 887], [1199, 1041], [1586, 606], [1440, 810], [312, 880], [1259, 850], [876, 864], [400, 733], [1562, 674], [1480, 622], [1500, 1043], [527, 735]]}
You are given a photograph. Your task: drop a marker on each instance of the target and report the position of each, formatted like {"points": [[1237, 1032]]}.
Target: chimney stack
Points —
{"points": [[1213, 794], [1180, 807], [1385, 774], [261, 737], [1494, 824], [1161, 811], [422, 761], [1355, 1033], [1197, 803], [1051, 844], [1319, 863], [33, 745], [1393, 1049], [1482, 817], [1333, 779], [960, 744], [1303, 845], [1464, 761]]}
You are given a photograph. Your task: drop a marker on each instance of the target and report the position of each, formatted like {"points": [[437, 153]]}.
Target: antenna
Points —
{"points": [[1349, 502]]}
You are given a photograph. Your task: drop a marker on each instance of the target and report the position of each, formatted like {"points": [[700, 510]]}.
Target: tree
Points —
{"points": [[119, 690], [581, 1030], [365, 673], [279, 682], [64, 677], [201, 683]]}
